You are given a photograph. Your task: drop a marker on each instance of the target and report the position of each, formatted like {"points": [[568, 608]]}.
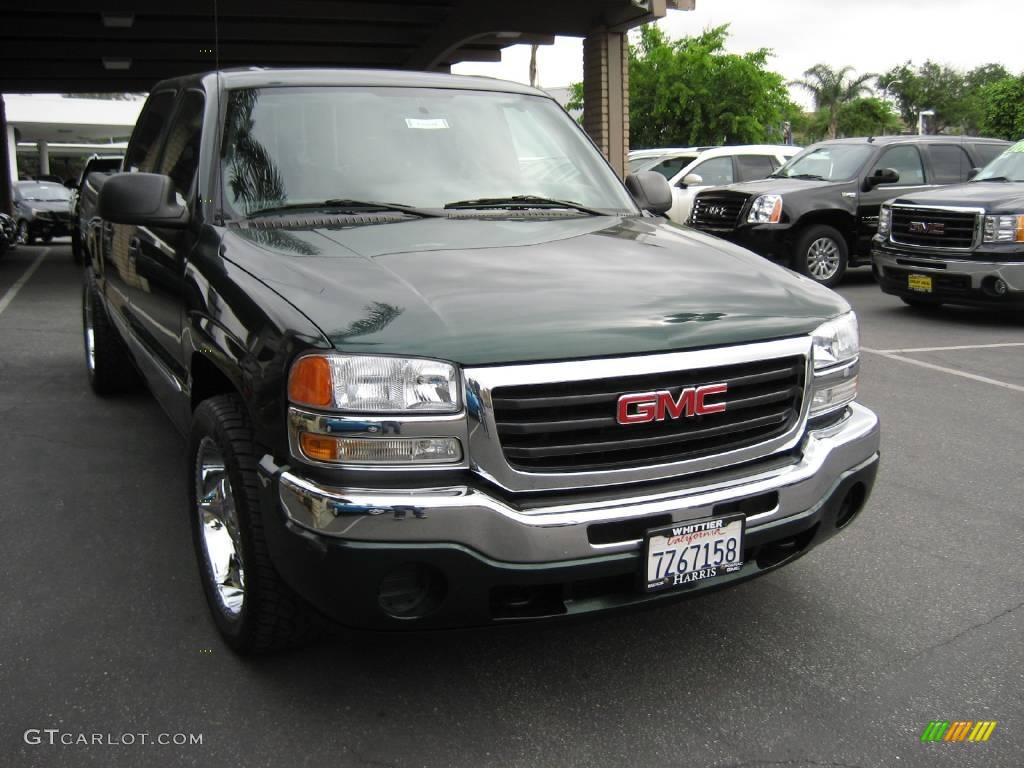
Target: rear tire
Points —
{"points": [[821, 254], [107, 362], [254, 610]]}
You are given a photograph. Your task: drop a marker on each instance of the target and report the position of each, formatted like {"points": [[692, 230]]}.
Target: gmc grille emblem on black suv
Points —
{"points": [[928, 227], [716, 210]]}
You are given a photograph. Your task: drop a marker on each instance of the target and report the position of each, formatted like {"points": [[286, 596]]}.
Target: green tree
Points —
{"points": [[1003, 108], [955, 96], [691, 92], [830, 89], [867, 117]]}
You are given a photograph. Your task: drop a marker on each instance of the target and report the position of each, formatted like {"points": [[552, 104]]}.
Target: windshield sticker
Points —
{"points": [[427, 124]]}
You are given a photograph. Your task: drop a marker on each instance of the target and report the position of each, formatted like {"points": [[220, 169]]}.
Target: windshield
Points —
{"points": [[43, 193], [418, 147], [833, 162], [1009, 166]]}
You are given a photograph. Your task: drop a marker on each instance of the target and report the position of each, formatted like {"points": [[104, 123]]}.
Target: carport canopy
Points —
{"points": [[83, 46]]}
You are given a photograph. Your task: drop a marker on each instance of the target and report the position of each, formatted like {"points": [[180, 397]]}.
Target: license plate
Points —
{"points": [[921, 283], [696, 550]]}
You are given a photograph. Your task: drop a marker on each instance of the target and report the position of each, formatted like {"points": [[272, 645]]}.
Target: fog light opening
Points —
{"points": [[994, 286], [852, 503], [412, 591]]}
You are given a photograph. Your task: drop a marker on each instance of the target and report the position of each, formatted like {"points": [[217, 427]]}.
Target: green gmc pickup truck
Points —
{"points": [[438, 366]]}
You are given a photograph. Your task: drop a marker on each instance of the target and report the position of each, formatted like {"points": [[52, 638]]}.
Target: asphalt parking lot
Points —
{"points": [[914, 614]]}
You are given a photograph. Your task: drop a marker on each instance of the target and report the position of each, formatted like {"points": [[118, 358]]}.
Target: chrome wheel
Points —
{"points": [[90, 332], [218, 526], [823, 259]]}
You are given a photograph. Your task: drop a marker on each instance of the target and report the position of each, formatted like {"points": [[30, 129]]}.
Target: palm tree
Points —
{"points": [[831, 88]]}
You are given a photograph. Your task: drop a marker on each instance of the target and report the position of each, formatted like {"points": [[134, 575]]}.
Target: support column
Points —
{"points": [[606, 94], [44, 157], [12, 154], [7, 169]]}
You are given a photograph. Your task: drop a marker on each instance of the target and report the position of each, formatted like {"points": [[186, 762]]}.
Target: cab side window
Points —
{"points": [[906, 161], [181, 148], [755, 166], [716, 171], [950, 163], [145, 143]]}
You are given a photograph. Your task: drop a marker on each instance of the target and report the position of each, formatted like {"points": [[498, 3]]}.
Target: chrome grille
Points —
{"points": [[933, 227], [572, 426], [717, 210]]}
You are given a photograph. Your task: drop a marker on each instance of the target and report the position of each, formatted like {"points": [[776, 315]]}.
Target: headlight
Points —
{"points": [[1004, 229], [836, 346], [374, 384], [43, 215], [884, 220], [767, 209]]}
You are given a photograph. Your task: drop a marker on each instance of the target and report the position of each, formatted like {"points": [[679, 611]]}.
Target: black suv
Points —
{"points": [[819, 212]]}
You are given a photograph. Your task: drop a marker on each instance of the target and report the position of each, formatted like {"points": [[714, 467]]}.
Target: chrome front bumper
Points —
{"points": [[1012, 272], [543, 533]]}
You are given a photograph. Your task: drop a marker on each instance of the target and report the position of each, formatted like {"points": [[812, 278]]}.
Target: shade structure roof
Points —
{"points": [[83, 46]]}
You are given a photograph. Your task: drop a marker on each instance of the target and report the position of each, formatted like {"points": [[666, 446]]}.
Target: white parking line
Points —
{"points": [[943, 369], [949, 349], [13, 290]]}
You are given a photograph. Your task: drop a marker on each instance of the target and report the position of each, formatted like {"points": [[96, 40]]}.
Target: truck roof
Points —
{"points": [[269, 77], [913, 139]]}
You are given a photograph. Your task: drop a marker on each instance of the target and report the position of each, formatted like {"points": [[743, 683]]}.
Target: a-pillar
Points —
{"points": [[44, 157], [606, 94]]}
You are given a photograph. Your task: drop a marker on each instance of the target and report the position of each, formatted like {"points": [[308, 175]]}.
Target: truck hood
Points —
{"points": [[995, 196], [783, 186], [484, 291]]}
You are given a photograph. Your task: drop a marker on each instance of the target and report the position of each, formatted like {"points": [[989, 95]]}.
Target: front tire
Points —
{"points": [[821, 254], [253, 609], [24, 233], [108, 365]]}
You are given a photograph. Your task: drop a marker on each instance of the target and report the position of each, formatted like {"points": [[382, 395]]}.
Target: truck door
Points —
{"points": [[120, 241], [160, 255], [905, 159]]}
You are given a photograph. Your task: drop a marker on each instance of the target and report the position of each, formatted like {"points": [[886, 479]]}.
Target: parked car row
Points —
{"points": [[940, 218]]}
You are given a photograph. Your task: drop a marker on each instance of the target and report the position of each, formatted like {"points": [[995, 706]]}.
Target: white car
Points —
{"points": [[691, 169]]}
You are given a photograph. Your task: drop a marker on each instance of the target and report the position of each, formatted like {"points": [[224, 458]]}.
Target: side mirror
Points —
{"points": [[881, 176], [650, 190], [972, 173], [143, 199], [691, 180]]}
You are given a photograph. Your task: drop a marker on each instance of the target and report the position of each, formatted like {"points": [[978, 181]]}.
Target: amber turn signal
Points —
{"points": [[310, 382], [319, 448]]}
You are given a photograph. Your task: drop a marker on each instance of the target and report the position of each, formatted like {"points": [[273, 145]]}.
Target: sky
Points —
{"points": [[869, 35]]}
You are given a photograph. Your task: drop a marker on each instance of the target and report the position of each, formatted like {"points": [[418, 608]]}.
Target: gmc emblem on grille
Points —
{"points": [[927, 227], [642, 407], [716, 210]]}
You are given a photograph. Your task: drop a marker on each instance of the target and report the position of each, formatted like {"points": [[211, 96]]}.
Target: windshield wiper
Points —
{"points": [[520, 201], [345, 204], [811, 176]]}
